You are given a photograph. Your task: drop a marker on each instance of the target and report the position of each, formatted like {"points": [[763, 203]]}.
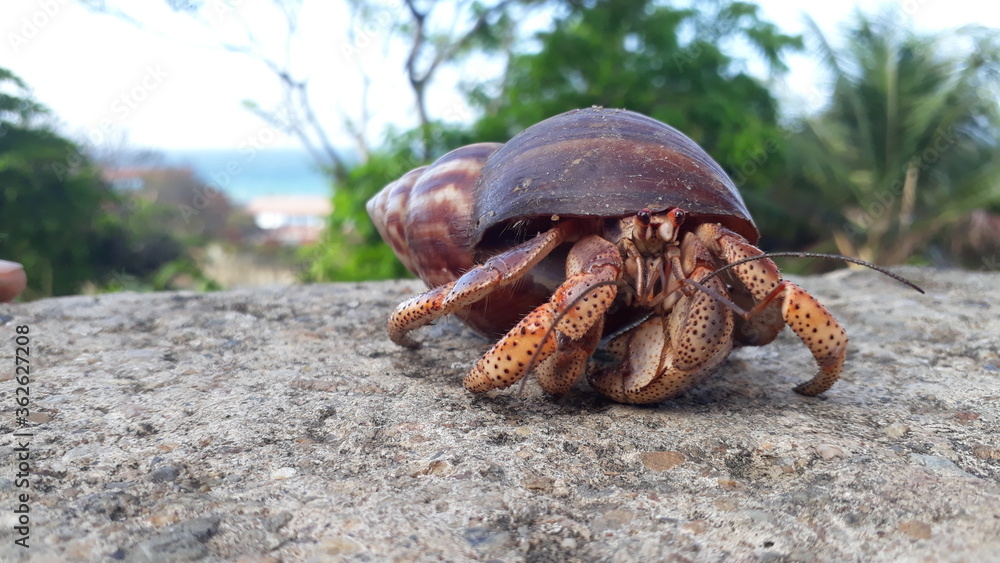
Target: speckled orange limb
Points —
{"points": [[692, 329], [591, 261], [576, 310], [499, 271], [809, 319]]}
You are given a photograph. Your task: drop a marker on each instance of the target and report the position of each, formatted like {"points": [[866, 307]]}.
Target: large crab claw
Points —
{"points": [[806, 316], [499, 271]]}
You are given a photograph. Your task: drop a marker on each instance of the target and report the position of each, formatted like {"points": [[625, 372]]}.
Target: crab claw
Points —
{"points": [[666, 356]]}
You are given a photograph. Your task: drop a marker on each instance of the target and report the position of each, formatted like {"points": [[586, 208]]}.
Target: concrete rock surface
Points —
{"points": [[282, 425]]}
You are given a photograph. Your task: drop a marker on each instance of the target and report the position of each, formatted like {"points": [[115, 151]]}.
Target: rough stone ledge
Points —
{"points": [[282, 425]]}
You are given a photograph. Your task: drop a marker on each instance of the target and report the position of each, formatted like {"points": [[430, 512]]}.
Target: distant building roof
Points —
{"points": [[291, 219], [291, 206]]}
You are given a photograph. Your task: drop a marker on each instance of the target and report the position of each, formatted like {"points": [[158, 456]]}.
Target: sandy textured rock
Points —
{"points": [[282, 425]]}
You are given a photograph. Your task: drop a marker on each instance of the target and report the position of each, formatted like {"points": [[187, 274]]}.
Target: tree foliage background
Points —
{"points": [[50, 196], [669, 63], [906, 153]]}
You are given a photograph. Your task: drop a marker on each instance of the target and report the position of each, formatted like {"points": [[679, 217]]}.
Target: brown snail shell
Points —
{"points": [[599, 162]]}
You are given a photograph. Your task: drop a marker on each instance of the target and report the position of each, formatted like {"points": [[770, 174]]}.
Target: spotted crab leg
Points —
{"points": [[497, 272], [576, 312], [809, 319]]}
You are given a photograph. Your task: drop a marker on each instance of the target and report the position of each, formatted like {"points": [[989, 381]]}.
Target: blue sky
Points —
{"points": [[169, 85]]}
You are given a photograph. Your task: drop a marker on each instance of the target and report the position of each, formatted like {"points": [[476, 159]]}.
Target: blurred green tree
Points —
{"points": [[675, 65], [909, 143], [351, 248], [671, 64]]}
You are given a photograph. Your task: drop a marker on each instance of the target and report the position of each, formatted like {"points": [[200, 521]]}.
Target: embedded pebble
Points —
{"points": [[39, 417], [896, 430], [986, 452], [164, 474], [935, 462], [283, 473], [916, 529], [181, 542], [829, 451], [662, 461]]}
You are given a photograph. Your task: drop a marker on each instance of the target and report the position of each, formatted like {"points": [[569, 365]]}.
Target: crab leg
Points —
{"points": [[813, 324], [575, 309], [499, 271]]}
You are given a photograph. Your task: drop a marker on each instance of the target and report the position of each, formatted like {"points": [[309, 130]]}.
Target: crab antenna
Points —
{"points": [[857, 261]]}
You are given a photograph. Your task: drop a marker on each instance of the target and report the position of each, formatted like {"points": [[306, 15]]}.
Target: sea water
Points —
{"points": [[250, 173]]}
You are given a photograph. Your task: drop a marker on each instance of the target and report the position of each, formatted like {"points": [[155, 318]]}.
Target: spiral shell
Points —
{"points": [[426, 216]]}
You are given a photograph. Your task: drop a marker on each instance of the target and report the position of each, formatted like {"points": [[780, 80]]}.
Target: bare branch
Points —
{"points": [[357, 128], [420, 80]]}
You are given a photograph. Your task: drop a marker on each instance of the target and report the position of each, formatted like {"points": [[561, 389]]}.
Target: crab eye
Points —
{"points": [[678, 216], [644, 216]]}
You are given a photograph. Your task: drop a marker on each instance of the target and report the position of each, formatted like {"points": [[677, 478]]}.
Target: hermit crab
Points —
{"points": [[596, 224]]}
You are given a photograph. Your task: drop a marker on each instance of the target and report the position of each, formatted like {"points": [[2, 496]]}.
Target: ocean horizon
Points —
{"points": [[244, 174]]}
